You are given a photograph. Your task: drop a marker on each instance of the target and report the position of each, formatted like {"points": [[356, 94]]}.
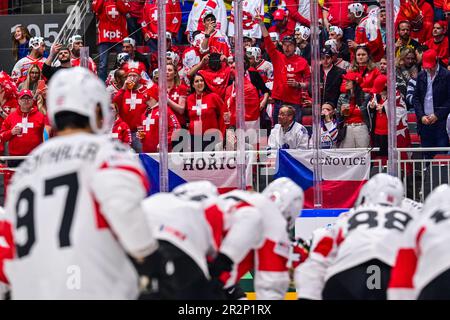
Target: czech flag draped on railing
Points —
{"points": [[343, 174], [217, 167]]}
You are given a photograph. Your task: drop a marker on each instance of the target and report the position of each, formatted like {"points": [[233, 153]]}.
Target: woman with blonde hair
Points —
{"points": [[20, 38], [406, 64], [32, 80]]}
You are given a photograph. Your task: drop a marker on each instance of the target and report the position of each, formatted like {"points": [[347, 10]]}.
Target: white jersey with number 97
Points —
{"points": [[74, 207]]}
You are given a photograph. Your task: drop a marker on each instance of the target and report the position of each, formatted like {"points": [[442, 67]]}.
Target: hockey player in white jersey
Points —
{"points": [[75, 203], [268, 249], [422, 267], [185, 240], [364, 243]]}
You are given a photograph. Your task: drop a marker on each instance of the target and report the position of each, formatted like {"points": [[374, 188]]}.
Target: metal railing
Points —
{"points": [[73, 22], [419, 176]]}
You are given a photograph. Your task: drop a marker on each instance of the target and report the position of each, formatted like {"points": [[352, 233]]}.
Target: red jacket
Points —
{"points": [[133, 103], [121, 131], [6, 252], [150, 122], [217, 81], [206, 111], [251, 102], [282, 66], [150, 18], [32, 135], [441, 49], [338, 12], [112, 24], [175, 94]]}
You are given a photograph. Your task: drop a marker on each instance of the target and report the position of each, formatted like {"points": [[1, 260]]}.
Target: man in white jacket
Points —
{"points": [[288, 134]]}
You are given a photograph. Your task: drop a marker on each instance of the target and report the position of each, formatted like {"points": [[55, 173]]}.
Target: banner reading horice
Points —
{"points": [[343, 174], [220, 168]]}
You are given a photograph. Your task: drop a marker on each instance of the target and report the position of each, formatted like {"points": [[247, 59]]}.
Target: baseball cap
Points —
{"points": [[379, 84], [326, 52], [25, 92], [279, 14], [288, 39], [353, 76], [429, 59], [130, 41]]}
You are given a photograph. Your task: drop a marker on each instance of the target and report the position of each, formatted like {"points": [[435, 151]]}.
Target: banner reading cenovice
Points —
{"points": [[217, 167], [343, 174]]}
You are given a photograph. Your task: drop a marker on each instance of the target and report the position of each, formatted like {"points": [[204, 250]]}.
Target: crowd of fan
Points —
{"points": [[277, 85]]}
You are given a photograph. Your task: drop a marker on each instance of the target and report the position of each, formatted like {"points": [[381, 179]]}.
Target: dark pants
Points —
{"points": [[437, 289], [181, 278], [381, 141], [134, 30], [104, 49], [352, 284], [433, 136], [276, 110]]}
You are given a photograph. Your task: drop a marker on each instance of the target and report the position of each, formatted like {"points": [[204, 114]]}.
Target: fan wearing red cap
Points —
{"points": [[431, 102], [439, 42], [23, 128]]}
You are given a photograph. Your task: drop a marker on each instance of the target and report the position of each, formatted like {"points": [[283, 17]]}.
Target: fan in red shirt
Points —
{"points": [[23, 128], [176, 95], [439, 42], [363, 64], [336, 13], [150, 18], [215, 41], [131, 101], [111, 29], [120, 129], [291, 73], [285, 20], [149, 132], [205, 110]]}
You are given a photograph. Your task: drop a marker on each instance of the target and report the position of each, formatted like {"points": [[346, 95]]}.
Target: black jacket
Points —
{"points": [[332, 86], [441, 96]]}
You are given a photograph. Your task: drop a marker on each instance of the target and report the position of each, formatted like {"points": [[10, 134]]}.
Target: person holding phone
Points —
{"points": [[60, 52]]}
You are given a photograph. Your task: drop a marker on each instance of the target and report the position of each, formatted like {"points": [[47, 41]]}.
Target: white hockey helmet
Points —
{"points": [[409, 205], [35, 42], [337, 30], [332, 45], [254, 52], [122, 58], [287, 196], [381, 189], [196, 191], [439, 198], [78, 90], [173, 56], [73, 39], [305, 32], [357, 9]]}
